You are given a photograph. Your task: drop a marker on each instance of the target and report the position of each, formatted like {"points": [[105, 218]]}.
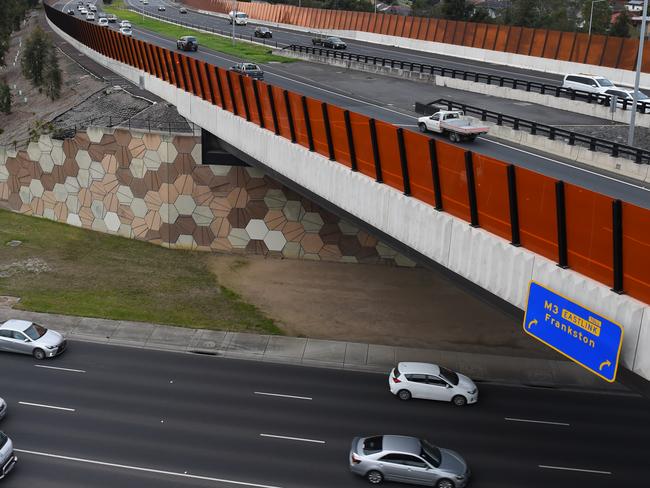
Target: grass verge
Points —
{"points": [[92, 274], [241, 49]]}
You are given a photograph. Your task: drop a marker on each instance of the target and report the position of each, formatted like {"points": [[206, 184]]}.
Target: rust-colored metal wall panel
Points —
{"points": [[567, 40], [450, 30], [430, 29], [490, 36], [366, 22], [362, 144], [480, 36], [196, 78], [178, 70], [525, 41], [408, 28], [339, 135], [470, 31], [612, 50], [539, 42], [453, 180], [281, 112], [512, 46], [417, 29], [580, 48], [237, 93], [552, 43], [214, 86], [171, 67], [187, 74], [419, 166], [491, 181], [502, 38], [645, 66], [629, 53], [596, 48], [252, 103], [399, 25], [391, 166], [441, 26], [390, 23], [318, 127], [459, 34], [636, 252], [537, 214], [265, 102], [222, 74], [295, 102], [589, 233]]}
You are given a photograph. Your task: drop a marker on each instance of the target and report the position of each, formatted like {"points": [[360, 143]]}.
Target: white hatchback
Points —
{"points": [[431, 382]]}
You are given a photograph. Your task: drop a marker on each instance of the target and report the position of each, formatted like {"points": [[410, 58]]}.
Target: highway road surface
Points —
{"points": [[110, 416]]}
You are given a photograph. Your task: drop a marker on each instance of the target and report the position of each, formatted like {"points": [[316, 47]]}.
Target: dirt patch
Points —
{"points": [[374, 304]]}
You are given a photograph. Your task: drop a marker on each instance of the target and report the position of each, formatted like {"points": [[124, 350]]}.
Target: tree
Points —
{"points": [[423, 8], [5, 97], [622, 26], [52, 76], [456, 9], [35, 56], [602, 14]]}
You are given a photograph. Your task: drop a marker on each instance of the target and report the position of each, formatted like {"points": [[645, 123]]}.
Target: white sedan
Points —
{"points": [[126, 31], [431, 382]]}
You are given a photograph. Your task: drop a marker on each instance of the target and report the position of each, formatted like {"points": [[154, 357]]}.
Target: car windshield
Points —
{"points": [[35, 331], [449, 375], [605, 82], [191, 39], [641, 95], [430, 453], [3, 439]]}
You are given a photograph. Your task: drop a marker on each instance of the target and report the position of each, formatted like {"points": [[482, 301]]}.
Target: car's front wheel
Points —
{"points": [[422, 126], [459, 401], [445, 483], [374, 477], [39, 354], [404, 395]]}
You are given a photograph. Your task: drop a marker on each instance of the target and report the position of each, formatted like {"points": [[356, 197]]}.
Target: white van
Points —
{"points": [[241, 18], [588, 83]]}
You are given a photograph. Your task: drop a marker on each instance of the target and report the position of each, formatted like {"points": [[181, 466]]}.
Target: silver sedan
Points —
{"points": [[407, 459], [26, 337]]}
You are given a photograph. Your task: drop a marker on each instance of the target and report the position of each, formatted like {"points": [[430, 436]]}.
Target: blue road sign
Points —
{"points": [[583, 336]]}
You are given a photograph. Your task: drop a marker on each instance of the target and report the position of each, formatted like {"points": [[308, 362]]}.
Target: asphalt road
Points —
{"points": [[139, 418], [358, 98]]}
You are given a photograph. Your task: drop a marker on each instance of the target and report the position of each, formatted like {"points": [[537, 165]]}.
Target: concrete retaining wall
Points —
{"points": [[473, 253]]}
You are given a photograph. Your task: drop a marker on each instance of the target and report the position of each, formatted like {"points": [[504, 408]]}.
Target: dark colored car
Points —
{"points": [[329, 42], [111, 18], [187, 43], [70, 11], [182, 10], [249, 69], [263, 32]]}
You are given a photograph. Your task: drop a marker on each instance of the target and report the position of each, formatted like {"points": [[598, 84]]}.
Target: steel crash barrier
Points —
{"points": [[600, 237], [576, 47], [572, 138], [475, 76]]}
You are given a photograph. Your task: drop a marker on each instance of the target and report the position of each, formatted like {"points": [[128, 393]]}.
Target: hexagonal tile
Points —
{"points": [[238, 198], [97, 171], [71, 184], [94, 134], [275, 199], [99, 226], [98, 209], [238, 238], [124, 194], [4, 173], [196, 154], [137, 168], [312, 222], [219, 170], [401, 260], [33, 151], [168, 214], [203, 215], [255, 172], [25, 194], [151, 160], [45, 143], [112, 221], [109, 163], [167, 152], [46, 163], [139, 207], [72, 202], [151, 141], [293, 211], [347, 228], [385, 251], [83, 177], [186, 242], [275, 240], [184, 184], [83, 159], [311, 243], [73, 219], [185, 204], [153, 220], [58, 156], [49, 214], [60, 192], [292, 250], [36, 187], [257, 229]]}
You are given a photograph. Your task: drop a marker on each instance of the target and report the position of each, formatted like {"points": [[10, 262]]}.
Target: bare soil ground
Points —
{"points": [[411, 307]]}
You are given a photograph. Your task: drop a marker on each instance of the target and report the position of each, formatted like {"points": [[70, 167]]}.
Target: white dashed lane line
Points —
{"points": [[53, 407], [294, 397], [580, 470], [60, 369], [288, 438], [510, 419]]}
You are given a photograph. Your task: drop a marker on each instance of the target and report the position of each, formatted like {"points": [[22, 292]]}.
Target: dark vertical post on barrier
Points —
{"points": [[244, 97], [435, 174], [232, 94], [276, 126], [258, 103], [351, 148], [305, 110], [292, 128], [404, 161], [560, 206], [514, 207], [471, 189], [617, 235], [328, 131], [375, 151]]}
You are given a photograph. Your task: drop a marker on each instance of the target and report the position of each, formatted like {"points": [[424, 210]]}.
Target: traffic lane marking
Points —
{"points": [[60, 369], [41, 405], [511, 419], [581, 470], [282, 395], [300, 439], [142, 469]]}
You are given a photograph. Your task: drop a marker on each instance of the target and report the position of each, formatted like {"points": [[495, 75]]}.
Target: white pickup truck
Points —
{"points": [[454, 124]]}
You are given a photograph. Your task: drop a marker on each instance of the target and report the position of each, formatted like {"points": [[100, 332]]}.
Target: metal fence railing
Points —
{"points": [[475, 76], [572, 138]]}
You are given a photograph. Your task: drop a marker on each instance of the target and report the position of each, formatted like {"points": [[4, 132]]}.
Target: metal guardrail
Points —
{"points": [[502, 81], [143, 124], [572, 138]]}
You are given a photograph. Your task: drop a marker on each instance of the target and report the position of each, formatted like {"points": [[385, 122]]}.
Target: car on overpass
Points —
{"points": [[70, 11], [263, 32], [161, 8], [329, 42], [25, 337], [431, 382], [407, 459], [587, 83], [187, 43], [90, 16], [182, 10], [126, 31], [249, 69], [8, 458], [112, 18], [3, 408], [453, 124], [103, 22], [125, 24]]}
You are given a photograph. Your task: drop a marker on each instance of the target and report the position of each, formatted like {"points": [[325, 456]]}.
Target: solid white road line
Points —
{"points": [[575, 469], [47, 406], [282, 396], [536, 421], [146, 470], [60, 369], [315, 441]]}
